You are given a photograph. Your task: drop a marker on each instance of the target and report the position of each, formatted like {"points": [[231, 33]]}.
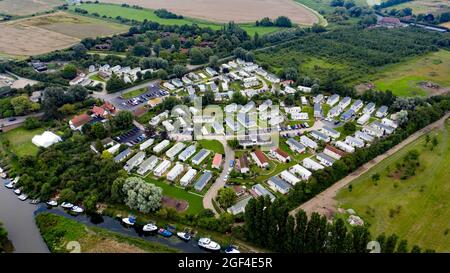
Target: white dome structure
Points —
{"points": [[46, 140]]}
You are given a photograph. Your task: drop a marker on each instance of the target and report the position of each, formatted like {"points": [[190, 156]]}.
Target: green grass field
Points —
{"points": [[20, 141], [423, 199], [58, 231], [113, 11], [213, 145], [403, 79], [195, 201], [134, 93]]}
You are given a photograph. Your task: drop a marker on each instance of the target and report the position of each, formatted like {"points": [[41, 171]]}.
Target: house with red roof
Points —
{"points": [[217, 161], [280, 155], [77, 122], [260, 158]]}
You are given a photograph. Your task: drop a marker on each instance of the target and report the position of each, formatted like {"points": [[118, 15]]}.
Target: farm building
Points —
{"points": [[320, 136], [357, 105], [281, 155], [300, 170], [217, 161], [333, 152], [203, 180], [149, 142], [187, 153], [311, 164], [344, 146], [187, 177], [325, 159], [177, 148], [330, 132], [162, 168], [259, 190], [382, 111], [239, 207], [175, 172], [161, 146], [260, 158], [289, 177], [355, 142], [333, 99], [124, 154], [369, 108], [363, 119], [147, 165], [134, 161], [306, 141], [200, 156], [279, 185]]}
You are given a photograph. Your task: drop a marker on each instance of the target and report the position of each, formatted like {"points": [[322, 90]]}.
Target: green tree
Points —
{"points": [[123, 120], [115, 83], [179, 70], [141, 195], [69, 72], [226, 197]]}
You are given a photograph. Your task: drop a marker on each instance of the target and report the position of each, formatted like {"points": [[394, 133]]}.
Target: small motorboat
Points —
{"points": [[77, 209], [35, 201], [208, 244], [232, 249], [52, 203], [10, 185], [149, 228], [129, 220], [67, 205], [164, 232], [185, 236], [17, 191], [23, 197], [2, 175]]}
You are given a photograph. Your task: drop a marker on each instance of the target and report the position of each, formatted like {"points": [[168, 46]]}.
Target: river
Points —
{"points": [[18, 218]]}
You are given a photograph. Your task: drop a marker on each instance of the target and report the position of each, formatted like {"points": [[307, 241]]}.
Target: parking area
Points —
{"points": [[132, 137], [153, 91]]}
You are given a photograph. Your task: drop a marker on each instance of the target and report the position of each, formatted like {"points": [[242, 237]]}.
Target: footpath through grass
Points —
{"points": [[58, 231], [416, 209]]}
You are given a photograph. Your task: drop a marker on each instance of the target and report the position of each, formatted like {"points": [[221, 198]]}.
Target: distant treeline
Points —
{"points": [[281, 21], [390, 3], [163, 13]]}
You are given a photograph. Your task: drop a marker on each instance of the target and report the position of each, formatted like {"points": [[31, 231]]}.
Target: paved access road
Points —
{"points": [[325, 204]]}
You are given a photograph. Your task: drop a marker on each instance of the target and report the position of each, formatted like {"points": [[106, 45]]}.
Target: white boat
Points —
{"points": [[3, 175], [23, 197], [232, 249], [10, 185], [149, 228], [129, 221], [185, 236], [52, 203], [17, 191], [67, 205], [77, 209], [208, 244]]}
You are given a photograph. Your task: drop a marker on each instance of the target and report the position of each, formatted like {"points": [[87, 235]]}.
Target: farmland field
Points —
{"points": [[113, 11], [404, 79], [240, 11], [27, 7], [413, 208], [42, 34], [424, 6]]}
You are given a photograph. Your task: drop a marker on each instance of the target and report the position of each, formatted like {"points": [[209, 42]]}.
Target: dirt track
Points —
{"points": [[230, 10], [325, 204]]}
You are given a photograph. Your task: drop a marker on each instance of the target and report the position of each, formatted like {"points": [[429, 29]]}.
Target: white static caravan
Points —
{"points": [[188, 177], [344, 146], [304, 89], [320, 136], [300, 170], [357, 105], [382, 111], [187, 153], [147, 165], [389, 122], [311, 164], [289, 177], [369, 108], [355, 142], [325, 159], [345, 102], [333, 99], [295, 146], [172, 152], [372, 131], [364, 136], [149, 142], [306, 141], [134, 161], [279, 185], [161, 146], [162, 168], [330, 132], [363, 119], [200, 156], [175, 172]]}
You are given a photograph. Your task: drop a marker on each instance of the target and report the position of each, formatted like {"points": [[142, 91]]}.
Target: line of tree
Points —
{"points": [[281, 21], [269, 225], [390, 3], [419, 117], [163, 13]]}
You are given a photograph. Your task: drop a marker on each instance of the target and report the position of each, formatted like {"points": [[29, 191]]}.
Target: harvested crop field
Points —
{"points": [[240, 11], [27, 7], [42, 34]]}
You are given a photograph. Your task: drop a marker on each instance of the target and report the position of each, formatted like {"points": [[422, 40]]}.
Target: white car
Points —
{"points": [[225, 178]]}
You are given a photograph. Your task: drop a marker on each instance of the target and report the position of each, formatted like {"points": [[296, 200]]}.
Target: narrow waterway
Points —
{"points": [[18, 218]]}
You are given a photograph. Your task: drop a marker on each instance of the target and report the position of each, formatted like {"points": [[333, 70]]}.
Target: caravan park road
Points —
{"points": [[325, 204]]}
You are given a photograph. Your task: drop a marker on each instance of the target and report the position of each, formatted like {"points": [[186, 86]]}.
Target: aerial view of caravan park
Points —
{"points": [[213, 127]]}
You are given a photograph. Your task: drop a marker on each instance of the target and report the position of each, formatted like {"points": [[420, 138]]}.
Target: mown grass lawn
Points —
{"points": [[195, 201], [134, 93], [422, 200], [20, 141], [213, 145], [111, 10]]}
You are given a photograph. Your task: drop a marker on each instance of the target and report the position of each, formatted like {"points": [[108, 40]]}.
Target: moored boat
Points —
{"points": [[129, 220], [208, 244], [185, 236], [164, 232], [77, 209], [10, 185], [67, 205], [149, 228], [52, 203], [17, 191], [23, 197], [232, 249]]}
